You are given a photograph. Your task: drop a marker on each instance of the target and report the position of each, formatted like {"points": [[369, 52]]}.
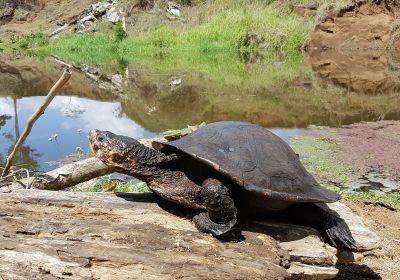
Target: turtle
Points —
{"points": [[225, 168]]}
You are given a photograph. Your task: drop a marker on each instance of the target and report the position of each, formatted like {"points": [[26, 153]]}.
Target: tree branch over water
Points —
{"points": [[31, 121]]}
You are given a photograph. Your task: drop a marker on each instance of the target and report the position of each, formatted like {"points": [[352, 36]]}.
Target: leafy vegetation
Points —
{"points": [[106, 183], [225, 31], [119, 31]]}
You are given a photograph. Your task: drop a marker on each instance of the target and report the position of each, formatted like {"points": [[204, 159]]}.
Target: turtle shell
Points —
{"points": [[254, 158]]}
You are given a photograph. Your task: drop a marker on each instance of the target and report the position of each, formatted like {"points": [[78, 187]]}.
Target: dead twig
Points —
{"points": [[31, 121]]}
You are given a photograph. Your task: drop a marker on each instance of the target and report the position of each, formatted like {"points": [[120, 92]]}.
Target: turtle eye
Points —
{"points": [[100, 138]]}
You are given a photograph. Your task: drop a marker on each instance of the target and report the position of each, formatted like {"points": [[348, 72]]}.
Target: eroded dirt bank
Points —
{"points": [[32, 15], [362, 25]]}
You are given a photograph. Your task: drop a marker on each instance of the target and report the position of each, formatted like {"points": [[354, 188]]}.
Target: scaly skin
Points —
{"points": [[132, 158], [128, 156]]}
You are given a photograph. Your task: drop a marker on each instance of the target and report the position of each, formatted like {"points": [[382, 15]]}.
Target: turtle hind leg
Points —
{"points": [[221, 213], [335, 230], [332, 228]]}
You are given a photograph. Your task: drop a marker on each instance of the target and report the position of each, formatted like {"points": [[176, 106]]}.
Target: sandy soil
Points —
{"points": [[383, 263]]}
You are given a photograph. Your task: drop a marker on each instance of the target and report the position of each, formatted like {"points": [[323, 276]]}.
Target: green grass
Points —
{"points": [[101, 184], [319, 156], [391, 199], [225, 32]]}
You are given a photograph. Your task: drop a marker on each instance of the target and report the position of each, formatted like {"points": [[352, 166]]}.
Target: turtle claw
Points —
{"points": [[339, 234], [205, 224]]}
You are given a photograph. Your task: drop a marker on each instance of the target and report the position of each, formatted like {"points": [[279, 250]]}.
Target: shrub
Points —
{"points": [[119, 31]]}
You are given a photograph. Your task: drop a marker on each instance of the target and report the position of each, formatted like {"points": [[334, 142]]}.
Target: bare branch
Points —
{"points": [[31, 121]]}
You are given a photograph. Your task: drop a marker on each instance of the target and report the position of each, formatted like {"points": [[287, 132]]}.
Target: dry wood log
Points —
{"points": [[47, 234], [65, 235]]}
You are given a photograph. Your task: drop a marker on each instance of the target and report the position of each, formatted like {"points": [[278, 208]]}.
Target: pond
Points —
{"points": [[145, 98]]}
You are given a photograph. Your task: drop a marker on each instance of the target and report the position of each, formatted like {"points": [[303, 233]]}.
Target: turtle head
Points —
{"points": [[114, 150]]}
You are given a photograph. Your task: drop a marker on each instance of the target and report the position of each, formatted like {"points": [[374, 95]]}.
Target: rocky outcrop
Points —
{"points": [[371, 24]]}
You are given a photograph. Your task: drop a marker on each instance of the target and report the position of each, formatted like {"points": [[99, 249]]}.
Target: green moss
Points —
{"points": [[103, 183], [133, 188], [318, 154], [391, 199]]}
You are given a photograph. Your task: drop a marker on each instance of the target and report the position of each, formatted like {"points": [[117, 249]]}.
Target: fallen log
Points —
{"points": [[47, 234]]}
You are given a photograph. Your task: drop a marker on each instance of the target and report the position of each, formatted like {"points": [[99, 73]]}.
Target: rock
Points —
{"points": [[308, 254], [173, 9], [349, 257], [310, 250], [6, 11], [306, 10], [375, 179], [108, 235], [100, 8], [253, 39], [87, 18], [175, 82], [362, 25], [117, 80], [112, 15], [310, 272], [365, 238], [59, 30]]}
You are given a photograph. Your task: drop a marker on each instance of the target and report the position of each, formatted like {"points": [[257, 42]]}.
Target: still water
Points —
{"points": [[142, 99]]}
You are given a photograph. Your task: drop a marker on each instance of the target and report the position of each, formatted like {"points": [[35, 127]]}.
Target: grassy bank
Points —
{"points": [[226, 31], [319, 154]]}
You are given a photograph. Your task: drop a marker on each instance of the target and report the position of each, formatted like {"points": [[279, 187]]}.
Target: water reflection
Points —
{"points": [[368, 72], [141, 99], [71, 130]]}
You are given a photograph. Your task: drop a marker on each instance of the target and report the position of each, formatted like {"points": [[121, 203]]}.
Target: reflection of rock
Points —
{"points": [[150, 102], [30, 77], [363, 25], [366, 72]]}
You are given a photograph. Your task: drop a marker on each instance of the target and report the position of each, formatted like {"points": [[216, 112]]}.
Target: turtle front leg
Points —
{"points": [[221, 213]]}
